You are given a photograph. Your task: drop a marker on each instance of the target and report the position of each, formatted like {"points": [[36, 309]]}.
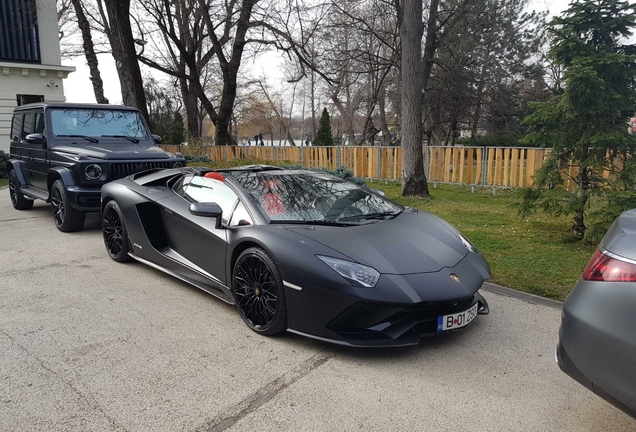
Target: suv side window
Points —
{"points": [[16, 128], [38, 123], [27, 125]]}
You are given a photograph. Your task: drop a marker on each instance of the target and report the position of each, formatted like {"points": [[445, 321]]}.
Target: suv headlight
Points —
{"points": [[471, 247], [93, 172], [360, 274]]}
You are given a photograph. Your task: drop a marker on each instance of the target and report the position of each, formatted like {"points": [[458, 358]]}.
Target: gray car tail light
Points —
{"points": [[608, 267]]}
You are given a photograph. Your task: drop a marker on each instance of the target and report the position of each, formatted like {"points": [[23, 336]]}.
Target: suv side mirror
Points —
{"points": [[35, 138], [157, 139], [212, 210]]}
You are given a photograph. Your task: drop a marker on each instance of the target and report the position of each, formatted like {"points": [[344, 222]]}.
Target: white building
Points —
{"points": [[30, 65]]}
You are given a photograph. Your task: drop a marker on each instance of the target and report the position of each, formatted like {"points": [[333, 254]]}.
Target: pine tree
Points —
{"points": [[176, 129], [587, 121], [323, 137]]}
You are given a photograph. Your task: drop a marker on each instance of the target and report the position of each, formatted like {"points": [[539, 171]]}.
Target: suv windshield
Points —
{"points": [[97, 123], [314, 197]]}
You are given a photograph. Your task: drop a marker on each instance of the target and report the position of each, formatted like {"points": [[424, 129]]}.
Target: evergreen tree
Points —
{"points": [[175, 132], [586, 124], [323, 137]]}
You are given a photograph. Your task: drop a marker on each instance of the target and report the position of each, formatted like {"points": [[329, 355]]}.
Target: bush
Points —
{"points": [[193, 160], [4, 158], [494, 140]]}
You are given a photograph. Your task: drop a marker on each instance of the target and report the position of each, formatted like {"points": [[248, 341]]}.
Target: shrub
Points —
{"points": [[491, 140], [4, 158], [193, 160]]}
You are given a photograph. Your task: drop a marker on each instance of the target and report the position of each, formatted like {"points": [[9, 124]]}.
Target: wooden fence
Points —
{"points": [[483, 166]]}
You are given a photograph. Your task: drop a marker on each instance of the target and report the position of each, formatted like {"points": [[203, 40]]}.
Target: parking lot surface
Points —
{"points": [[90, 344]]}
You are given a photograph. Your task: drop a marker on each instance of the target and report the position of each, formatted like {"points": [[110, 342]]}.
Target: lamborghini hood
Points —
{"points": [[410, 243]]}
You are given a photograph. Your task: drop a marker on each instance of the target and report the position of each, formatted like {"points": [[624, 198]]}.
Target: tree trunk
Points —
{"points": [[89, 52], [123, 47], [480, 96], [190, 103], [284, 125], [314, 130], [384, 127], [411, 29], [582, 197]]}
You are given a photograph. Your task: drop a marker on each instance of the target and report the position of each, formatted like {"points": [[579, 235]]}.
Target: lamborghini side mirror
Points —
{"points": [[212, 210]]}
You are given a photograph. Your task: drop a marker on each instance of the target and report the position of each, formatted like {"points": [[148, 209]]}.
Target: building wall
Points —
{"points": [[47, 27], [45, 79]]}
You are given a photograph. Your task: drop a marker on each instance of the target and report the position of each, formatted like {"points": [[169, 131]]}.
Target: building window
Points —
{"points": [[19, 31], [27, 99]]}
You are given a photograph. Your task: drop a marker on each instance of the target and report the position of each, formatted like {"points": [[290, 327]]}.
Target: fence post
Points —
{"points": [[426, 160], [224, 154], [484, 163], [248, 152], [338, 157], [275, 153], [379, 150], [302, 156]]}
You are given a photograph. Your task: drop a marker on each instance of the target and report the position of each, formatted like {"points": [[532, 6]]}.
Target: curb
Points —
{"points": [[529, 298]]}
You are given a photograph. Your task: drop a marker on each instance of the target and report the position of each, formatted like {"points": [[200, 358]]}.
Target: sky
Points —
{"points": [[78, 88]]}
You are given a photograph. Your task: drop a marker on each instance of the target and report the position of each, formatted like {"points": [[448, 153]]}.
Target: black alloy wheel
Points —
{"points": [[18, 200], [114, 232], [57, 203], [66, 218], [259, 293]]}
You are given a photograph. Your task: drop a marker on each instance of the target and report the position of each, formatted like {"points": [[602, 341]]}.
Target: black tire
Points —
{"points": [[115, 233], [259, 293], [66, 218], [17, 199]]}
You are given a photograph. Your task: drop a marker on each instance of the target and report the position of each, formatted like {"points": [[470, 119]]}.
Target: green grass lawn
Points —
{"points": [[4, 181], [537, 254]]}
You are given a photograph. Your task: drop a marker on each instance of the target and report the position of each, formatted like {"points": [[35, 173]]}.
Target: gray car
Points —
{"points": [[597, 339]]}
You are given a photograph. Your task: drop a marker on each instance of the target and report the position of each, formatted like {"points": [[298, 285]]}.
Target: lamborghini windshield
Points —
{"points": [[97, 123], [300, 196]]}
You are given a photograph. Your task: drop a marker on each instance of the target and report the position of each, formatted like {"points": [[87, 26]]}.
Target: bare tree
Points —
{"points": [[122, 43], [89, 52]]}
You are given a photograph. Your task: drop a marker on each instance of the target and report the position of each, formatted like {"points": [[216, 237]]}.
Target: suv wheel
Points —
{"points": [[66, 218], [17, 199]]}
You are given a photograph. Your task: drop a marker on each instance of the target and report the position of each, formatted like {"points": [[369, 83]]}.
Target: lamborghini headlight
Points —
{"points": [[471, 247], [359, 274]]}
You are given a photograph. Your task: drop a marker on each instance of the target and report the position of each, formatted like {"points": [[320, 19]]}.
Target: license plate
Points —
{"points": [[458, 320]]}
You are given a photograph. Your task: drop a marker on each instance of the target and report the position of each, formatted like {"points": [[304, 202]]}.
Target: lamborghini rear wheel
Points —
{"points": [[114, 232], [258, 292]]}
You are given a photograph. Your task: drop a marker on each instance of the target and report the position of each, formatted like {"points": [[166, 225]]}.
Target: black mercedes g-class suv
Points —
{"points": [[63, 153]]}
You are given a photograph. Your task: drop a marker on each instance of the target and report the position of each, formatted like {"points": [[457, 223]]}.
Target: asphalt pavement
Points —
{"points": [[89, 344]]}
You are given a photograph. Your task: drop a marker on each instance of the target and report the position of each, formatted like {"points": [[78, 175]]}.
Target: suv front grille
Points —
{"points": [[121, 170]]}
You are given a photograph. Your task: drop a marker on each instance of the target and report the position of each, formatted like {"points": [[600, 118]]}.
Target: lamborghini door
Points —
{"points": [[196, 239]]}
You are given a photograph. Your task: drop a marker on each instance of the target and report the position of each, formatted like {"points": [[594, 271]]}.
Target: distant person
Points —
{"points": [[307, 141], [260, 138], [249, 143]]}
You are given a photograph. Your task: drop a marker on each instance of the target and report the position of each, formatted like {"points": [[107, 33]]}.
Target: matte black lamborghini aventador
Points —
{"points": [[300, 251]]}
